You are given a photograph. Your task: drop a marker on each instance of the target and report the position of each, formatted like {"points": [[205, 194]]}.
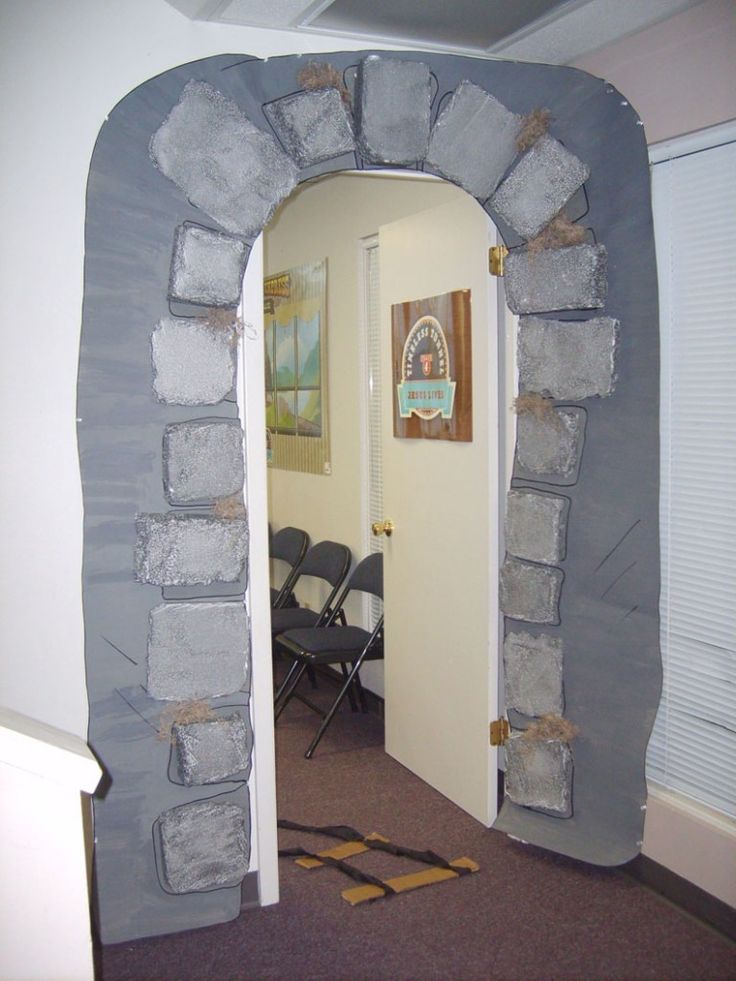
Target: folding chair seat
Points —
{"points": [[333, 643], [289, 545]]}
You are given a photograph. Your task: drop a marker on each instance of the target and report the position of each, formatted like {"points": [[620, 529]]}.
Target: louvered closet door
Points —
{"points": [[373, 403], [693, 748]]}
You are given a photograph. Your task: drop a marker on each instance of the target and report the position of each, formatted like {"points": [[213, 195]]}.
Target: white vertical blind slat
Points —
{"points": [[374, 397], [693, 746]]}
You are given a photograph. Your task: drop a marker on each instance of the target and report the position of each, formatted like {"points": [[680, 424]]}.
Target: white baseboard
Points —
{"points": [[693, 841]]}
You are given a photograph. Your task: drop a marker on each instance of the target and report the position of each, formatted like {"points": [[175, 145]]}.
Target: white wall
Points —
{"points": [[63, 66], [42, 772], [680, 76], [327, 220]]}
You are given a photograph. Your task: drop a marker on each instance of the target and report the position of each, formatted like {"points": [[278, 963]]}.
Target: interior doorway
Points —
{"points": [[427, 701]]}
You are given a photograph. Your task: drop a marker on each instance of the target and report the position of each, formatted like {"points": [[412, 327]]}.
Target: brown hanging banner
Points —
{"points": [[432, 367]]}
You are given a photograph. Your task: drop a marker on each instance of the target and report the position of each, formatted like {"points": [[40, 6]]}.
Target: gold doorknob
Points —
{"points": [[383, 527]]}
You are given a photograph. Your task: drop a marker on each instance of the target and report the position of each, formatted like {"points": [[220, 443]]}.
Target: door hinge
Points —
{"points": [[500, 732], [496, 255]]}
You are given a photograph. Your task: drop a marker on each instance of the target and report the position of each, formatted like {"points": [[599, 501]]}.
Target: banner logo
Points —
{"points": [[425, 389]]}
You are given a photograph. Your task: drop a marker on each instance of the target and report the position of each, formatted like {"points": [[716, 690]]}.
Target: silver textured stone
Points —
{"points": [[539, 774], [536, 526], [312, 126], [211, 751], [197, 650], [207, 267], [568, 359], [550, 446], [187, 549], [193, 363], [473, 140], [573, 278], [539, 186], [204, 845], [530, 592], [392, 110], [222, 162], [532, 668], [202, 460]]}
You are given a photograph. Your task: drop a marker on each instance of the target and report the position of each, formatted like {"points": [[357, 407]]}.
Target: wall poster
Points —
{"points": [[432, 367], [295, 322]]}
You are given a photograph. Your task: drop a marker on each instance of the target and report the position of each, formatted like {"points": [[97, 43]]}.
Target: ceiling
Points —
{"points": [[550, 31]]}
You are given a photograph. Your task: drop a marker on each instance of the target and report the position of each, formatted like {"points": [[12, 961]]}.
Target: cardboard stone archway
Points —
{"points": [[156, 431]]}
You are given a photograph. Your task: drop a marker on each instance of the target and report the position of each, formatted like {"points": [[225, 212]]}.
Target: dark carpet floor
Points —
{"points": [[527, 914]]}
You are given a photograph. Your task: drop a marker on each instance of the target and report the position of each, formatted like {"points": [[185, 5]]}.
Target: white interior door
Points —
{"points": [[441, 562]]}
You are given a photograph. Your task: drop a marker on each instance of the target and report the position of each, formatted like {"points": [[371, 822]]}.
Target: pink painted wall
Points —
{"points": [[680, 74]]}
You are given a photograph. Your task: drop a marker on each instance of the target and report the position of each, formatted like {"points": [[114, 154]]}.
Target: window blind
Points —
{"points": [[373, 406], [693, 746]]}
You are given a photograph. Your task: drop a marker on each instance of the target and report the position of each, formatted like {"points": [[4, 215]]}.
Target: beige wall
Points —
{"points": [[328, 219], [680, 74]]}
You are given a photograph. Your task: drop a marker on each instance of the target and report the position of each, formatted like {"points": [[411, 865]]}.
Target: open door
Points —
{"points": [[441, 559]]}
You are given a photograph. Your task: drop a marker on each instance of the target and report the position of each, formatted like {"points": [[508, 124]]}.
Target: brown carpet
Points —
{"points": [[526, 915]]}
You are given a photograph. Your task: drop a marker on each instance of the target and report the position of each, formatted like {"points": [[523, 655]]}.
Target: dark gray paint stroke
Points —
{"points": [[612, 670]]}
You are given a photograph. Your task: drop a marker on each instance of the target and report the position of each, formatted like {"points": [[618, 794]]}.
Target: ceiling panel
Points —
{"points": [[460, 23], [550, 31]]}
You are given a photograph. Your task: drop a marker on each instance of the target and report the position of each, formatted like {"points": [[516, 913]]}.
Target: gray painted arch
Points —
{"points": [[149, 179]]}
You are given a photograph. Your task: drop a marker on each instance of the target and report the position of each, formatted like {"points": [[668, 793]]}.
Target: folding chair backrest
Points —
{"points": [[289, 544], [367, 576], [327, 560]]}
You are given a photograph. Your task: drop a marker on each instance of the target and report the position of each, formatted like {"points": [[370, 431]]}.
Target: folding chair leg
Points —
{"points": [[361, 693], [288, 687], [334, 707], [284, 684], [351, 693]]}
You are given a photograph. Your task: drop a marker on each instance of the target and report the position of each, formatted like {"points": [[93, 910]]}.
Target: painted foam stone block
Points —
{"points": [[536, 526], [530, 592], [312, 126], [392, 108], [211, 751], [207, 267], [204, 845], [539, 186], [568, 359], [197, 650], [539, 774], [551, 446], [188, 550], [573, 278], [473, 140], [224, 164], [533, 674], [202, 460], [193, 363]]}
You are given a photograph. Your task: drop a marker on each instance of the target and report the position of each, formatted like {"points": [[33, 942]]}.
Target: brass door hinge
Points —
{"points": [[496, 255], [500, 732]]}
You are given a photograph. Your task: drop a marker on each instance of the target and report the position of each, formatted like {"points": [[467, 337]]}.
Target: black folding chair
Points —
{"points": [[326, 561], [289, 545], [333, 643]]}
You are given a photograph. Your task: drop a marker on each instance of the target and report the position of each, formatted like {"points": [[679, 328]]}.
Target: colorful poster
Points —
{"points": [[295, 321], [432, 368]]}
